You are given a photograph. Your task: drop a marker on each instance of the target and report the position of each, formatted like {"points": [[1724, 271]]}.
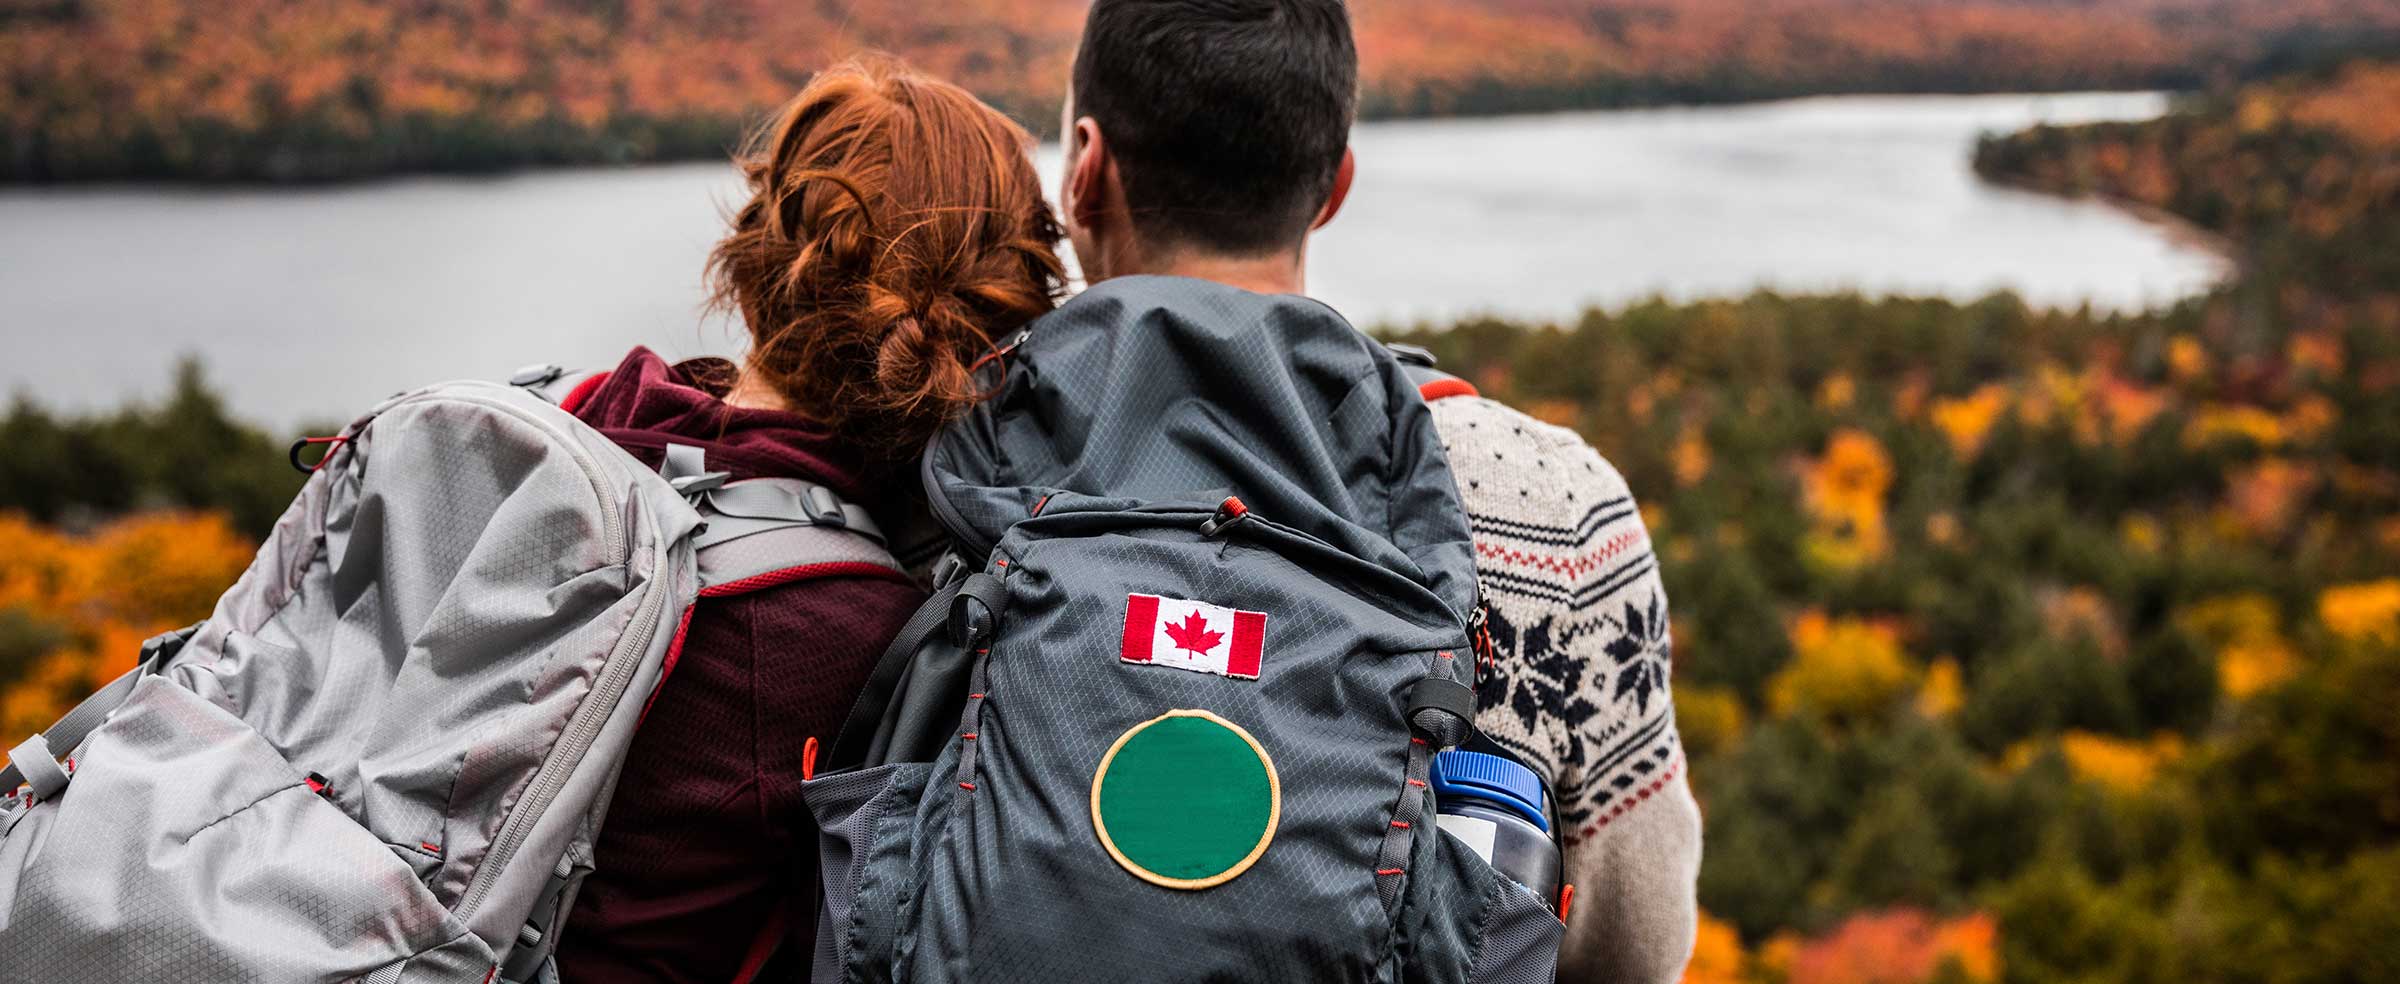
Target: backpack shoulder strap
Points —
{"points": [[762, 532], [35, 762], [739, 509], [769, 531], [792, 525], [1431, 383]]}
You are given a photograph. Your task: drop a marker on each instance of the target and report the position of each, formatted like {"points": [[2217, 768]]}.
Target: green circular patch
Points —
{"points": [[1186, 800]]}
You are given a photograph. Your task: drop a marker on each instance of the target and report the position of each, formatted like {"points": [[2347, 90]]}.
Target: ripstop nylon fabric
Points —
{"points": [[1123, 420], [445, 626]]}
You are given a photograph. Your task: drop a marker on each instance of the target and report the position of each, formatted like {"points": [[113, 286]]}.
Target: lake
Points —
{"points": [[308, 304]]}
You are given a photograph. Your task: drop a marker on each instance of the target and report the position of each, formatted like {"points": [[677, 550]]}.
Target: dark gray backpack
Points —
{"points": [[1170, 717]]}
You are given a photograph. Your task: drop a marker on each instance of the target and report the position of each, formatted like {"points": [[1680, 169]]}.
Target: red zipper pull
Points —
{"points": [[1229, 512]]}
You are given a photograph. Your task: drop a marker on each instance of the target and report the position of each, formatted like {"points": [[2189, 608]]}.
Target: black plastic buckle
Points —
{"points": [[1412, 355]]}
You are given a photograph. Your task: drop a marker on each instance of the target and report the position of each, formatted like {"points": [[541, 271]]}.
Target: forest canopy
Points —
{"points": [[262, 90], [2039, 645], [2010, 644]]}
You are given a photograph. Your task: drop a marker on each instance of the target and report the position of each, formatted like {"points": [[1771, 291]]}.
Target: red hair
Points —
{"points": [[895, 229]]}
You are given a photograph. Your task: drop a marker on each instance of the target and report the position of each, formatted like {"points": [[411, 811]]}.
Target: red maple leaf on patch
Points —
{"points": [[1192, 635]]}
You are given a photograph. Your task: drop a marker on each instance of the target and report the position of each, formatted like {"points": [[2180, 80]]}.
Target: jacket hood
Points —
{"points": [[645, 404], [1176, 390]]}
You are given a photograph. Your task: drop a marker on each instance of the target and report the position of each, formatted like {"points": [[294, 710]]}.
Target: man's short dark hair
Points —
{"points": [[1227, 118]]}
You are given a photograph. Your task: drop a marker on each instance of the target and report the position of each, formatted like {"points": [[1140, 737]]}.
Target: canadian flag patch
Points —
{"points": [[1193, 635]]}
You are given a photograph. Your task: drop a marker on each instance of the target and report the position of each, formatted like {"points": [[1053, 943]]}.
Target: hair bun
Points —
{"points": [[895, 227]]}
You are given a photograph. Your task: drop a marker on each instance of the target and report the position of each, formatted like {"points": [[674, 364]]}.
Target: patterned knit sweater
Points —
{"points": [[1579, 689]]}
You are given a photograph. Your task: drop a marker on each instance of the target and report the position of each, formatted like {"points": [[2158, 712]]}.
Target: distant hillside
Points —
{"points": [[2018, 646], [262, 90], [2305, 172]]}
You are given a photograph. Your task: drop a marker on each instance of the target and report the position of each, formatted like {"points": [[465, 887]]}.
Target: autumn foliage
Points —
{"points": [[1901, 946], [2012, 645], [262, 90], [75, 609], [2039, 645]]}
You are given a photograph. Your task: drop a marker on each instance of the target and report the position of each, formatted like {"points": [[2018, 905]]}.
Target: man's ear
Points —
{"points": [[1084, 195], [1340, 192]]}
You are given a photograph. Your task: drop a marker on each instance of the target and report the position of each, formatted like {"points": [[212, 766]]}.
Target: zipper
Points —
{"points": [[584, 729], [607, 691]]}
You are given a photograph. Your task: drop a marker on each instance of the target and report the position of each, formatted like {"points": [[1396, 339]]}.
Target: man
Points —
{"points": [[1207, 139]]}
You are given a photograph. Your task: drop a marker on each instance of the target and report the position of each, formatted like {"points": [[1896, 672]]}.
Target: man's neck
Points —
{"points": [[1274, 273]]}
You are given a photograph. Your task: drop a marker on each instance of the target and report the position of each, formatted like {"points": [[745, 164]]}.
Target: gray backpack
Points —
{"points": [[386, 755], [1170, 718]]}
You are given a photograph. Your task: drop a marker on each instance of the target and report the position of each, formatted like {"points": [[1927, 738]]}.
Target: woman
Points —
{"points": [[894, 229]]}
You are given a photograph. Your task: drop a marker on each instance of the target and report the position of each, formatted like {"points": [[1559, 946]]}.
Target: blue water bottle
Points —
{"points": [[1494, 805]]}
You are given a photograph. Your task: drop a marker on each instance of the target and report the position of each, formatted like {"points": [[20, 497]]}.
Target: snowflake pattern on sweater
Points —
{"points": [[1579, 681]]}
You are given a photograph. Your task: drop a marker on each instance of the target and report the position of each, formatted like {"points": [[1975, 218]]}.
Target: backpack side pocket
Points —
{"points": [[1520, 939], [866, 823], [1465, 921], [187, 848]]}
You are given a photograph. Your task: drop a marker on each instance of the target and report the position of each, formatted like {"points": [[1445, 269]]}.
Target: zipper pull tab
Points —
{"points": [[1229, 512]]}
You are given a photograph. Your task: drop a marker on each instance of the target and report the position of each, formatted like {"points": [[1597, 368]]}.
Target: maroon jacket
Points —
{"points": [[708, 849]]}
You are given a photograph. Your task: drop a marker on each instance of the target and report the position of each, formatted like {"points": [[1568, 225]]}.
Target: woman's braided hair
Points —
{"points": [[895, 229]]}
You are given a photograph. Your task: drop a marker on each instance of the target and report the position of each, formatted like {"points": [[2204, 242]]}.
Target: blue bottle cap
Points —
{"points": [[1491, 778]]}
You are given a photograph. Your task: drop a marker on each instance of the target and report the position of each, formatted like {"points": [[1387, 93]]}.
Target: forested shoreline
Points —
{"points": [[2010, 643], [242, 91], [2039, 645]]}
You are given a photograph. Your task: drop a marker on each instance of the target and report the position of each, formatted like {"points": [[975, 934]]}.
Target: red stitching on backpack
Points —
{"points": [[970, 736], [1419, 783], [1416, 741], [968, 786], [1391, 871], [1402, 824], [674, 652], [804, 572], [974, 696]]}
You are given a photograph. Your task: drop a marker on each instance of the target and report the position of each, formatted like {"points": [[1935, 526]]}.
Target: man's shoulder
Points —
{"points": [[1578, 683], [1513, 466]]}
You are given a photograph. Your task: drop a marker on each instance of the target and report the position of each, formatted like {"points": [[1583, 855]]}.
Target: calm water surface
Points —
{"points": [[309, 304]]}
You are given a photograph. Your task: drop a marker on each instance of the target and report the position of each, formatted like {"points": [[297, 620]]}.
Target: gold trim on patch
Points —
{"points": [[1274, 808]]}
